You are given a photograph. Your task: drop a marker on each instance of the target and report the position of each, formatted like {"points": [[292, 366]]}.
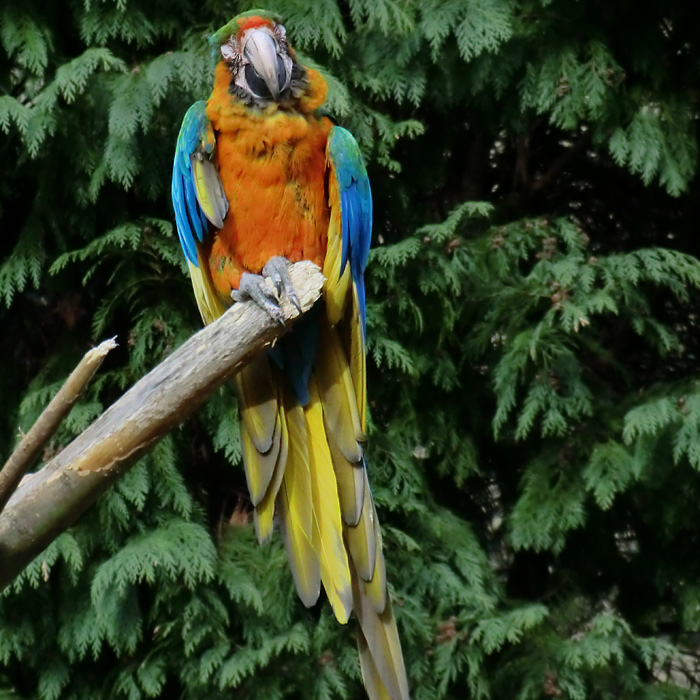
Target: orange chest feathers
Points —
{"points": [[273, 169]]}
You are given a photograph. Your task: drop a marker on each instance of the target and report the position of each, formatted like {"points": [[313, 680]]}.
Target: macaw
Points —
{"points": [[261, 180]]}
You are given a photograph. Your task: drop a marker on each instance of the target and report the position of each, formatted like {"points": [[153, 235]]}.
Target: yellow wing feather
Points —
{"points": [[358, 360], [335, 289], [210, 191], [208, 301]]}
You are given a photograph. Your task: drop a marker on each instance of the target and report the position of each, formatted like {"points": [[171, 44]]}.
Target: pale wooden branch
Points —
{"points": [[33, 442], [52, 499]]}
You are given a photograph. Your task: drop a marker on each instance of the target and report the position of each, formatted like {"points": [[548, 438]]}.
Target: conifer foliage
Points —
{"points": [[533, 345]]}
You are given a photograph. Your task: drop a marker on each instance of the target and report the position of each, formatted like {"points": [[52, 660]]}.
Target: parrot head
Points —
{"points": [[262, 65]]}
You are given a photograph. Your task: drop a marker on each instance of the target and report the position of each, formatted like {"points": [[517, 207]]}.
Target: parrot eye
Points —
{"points": [[228, 52]]}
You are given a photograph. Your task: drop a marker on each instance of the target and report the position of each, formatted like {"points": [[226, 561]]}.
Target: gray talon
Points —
{"points": [[255, 287], [277, 269]]}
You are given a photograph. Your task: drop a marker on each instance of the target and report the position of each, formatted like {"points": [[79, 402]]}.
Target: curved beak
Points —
{"points": [[261, 50]]}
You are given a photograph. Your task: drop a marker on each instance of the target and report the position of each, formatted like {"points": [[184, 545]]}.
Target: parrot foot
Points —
{"points": [[277, 269], [256, 287]]}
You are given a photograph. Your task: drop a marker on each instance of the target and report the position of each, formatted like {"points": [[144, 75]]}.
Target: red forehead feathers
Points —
{"points": [[246, 23]]}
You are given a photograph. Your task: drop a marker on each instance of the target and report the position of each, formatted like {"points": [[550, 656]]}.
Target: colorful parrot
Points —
{"points": [[261, 180]]}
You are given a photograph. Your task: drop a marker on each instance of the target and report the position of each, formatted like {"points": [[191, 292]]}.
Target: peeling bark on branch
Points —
{"points": [[52, 499]]}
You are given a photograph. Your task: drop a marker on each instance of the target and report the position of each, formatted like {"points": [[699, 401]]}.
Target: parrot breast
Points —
{"points": [[272, 166]]}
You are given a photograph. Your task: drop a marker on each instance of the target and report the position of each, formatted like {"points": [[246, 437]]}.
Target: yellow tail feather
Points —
{"points": [[383, 669], [362, 540], [265, 510], [296, 508], [351, 483], [376, 690], [257, 388], [335, 386], [328, 531], [261, 425]]}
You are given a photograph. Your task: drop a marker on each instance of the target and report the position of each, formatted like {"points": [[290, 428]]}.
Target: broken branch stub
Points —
{"points": [[29, 448]]}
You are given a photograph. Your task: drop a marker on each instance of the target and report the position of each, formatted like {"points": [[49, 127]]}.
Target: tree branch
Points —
{"points": [[52, 499], [32, 443]]}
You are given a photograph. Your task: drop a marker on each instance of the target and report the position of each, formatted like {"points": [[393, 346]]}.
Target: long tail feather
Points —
{"points": [[337, 392], [351, 483], [376, 690], [296, 509], [375, 590], [261, 430], [341, 382], [362, 539], [328, 532], [380, 650], [342, 422], [265, 510]]}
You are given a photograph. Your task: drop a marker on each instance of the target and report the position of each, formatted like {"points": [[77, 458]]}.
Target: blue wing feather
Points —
{"points": [[355, 206], [345, 217], [192, 224]]}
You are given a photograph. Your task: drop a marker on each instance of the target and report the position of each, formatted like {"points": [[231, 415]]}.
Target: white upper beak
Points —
{"points": [[260, 49]]}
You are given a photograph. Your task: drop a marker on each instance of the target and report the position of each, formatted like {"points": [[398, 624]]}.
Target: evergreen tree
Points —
{"points": [[533, 381]]}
